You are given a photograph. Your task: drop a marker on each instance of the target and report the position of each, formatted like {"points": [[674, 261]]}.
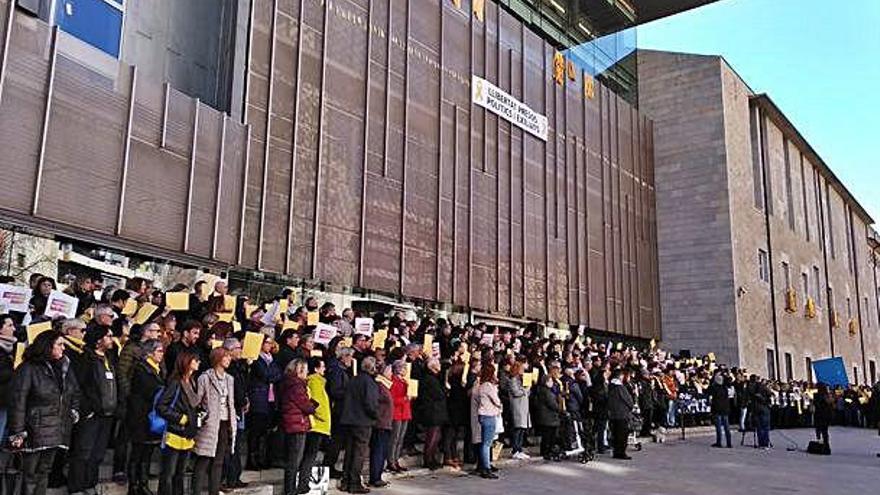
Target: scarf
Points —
{"points": [[7, 343]]}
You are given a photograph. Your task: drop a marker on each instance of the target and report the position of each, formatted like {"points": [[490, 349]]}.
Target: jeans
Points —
{"points": [[722, 423], [670, 413], [4, 413], [516, 440], [212, 467], [487, 436], [171, 470], [296, 446], [87, 452], [743, 414], [378, 453], [762, 420], [395, 449], [35, 468], [601, 428]]}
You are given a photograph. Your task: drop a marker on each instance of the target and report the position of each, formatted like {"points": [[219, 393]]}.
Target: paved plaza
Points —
{"points": [[684, 467]]}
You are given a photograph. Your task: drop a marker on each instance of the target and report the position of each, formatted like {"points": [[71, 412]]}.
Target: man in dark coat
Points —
{"points": [[719, 392], [339, 369], [620, 406], [359, 415], [599, 398]]}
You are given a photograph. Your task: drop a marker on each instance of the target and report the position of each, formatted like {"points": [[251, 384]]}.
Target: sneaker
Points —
{"points": [[518, 456], [488, 475], [379, 484]]}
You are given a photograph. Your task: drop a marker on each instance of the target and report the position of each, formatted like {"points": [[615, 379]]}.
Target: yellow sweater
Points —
{"points": [[317, 385]]}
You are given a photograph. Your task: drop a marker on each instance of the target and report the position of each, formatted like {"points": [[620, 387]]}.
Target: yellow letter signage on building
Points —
{"points": [[559, 68], [589, 87], [569, 67], [479, 7]]}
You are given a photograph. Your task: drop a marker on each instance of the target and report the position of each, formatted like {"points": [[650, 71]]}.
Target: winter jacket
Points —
{"points": [[177, 410], [44, 396], [824, 410], [620, 402], [575, 399], [361, 403], [239, 371], [490, 403], [284, 357], [146, 381], [131, 354], [97, 385], [402, 406], [720, 398], [7, 361], [338, 378], [174, 350], [386, 408], [458, 403], [519, 403], [211, 390], [546, 407], [431, 403], [599, 395], [263, 375], [320, 419], [296, 407]]}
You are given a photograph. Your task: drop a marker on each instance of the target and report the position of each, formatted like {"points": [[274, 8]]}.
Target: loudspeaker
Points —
{"points": [[818, 448]]}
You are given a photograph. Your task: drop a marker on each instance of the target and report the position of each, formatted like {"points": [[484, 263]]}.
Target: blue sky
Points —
{"points": [[820, 62]]}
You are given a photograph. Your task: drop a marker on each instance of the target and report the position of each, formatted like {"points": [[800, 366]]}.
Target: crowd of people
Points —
{"points": [[218, 383]]}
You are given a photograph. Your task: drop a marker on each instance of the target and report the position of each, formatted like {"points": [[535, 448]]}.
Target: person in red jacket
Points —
{"points": [[402, 414], [296, 407]]}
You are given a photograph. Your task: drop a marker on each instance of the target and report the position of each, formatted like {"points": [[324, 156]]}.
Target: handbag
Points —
{"points": [[158, 424]]}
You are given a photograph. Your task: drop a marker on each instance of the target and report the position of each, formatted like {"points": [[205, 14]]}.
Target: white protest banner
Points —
{"points": [[271, 313], [435, 350], [499, 102], [15, 297], [324, 333], [487, 339], [363, 326], [60, 304]]}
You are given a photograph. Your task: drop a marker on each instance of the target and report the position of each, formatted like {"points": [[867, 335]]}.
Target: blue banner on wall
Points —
{"points": [[831, 372]]}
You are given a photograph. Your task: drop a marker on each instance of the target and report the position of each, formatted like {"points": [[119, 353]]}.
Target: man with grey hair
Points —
{"points": [[339, 372], [359, 414], [239, 371], [73, 327]]}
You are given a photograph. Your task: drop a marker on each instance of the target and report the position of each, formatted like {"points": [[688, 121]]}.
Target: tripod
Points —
{"points": [[751, 427]]}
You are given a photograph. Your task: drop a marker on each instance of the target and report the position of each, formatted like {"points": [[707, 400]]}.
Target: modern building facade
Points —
{"points": [[764, 254], [437, 151]]}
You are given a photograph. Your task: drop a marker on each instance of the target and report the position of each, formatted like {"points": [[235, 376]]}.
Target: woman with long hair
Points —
{"points": [[146, 381], [177, 405], [40, 295], [264, 377], [519, 409], [488, 413], [296, 407], [401, 417], [216, 437], [45, 400]]}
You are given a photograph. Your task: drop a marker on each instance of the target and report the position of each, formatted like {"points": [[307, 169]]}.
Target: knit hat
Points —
{"points": [[95, 333]]}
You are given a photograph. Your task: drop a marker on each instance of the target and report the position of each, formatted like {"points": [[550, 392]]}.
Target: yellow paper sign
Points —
{"points": [[427, 346], [379, 339], [249, 308], [290, 324], [250, 348], [653, 343], [620, 346], [216, 343], [227, 317], [407, 371], [345, 342], [313, 318], [177, 301], [236, 326], [229, 303], [283, 305], [317, 353], [711, 356], [130, 307], [37, 329], [528, 378], [19, 354], [144, 313], [535, 375], [464, 373], [384, 381], [412, 388]]}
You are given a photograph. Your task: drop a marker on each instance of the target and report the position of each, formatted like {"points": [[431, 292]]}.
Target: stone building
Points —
{"points": [[764, 254]]}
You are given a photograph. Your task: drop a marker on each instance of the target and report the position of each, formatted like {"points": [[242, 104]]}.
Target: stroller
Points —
{"points": [[576, 439]]}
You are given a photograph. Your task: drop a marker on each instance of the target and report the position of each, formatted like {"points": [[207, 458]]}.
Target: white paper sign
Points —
{"points": [[324, 333], [15, 297], [363, 326], [499, 102], [60, 304]]}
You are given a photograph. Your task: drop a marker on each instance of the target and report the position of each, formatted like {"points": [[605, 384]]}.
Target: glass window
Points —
{"points": [[809, 366], [771, 364], [763, 266]]}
